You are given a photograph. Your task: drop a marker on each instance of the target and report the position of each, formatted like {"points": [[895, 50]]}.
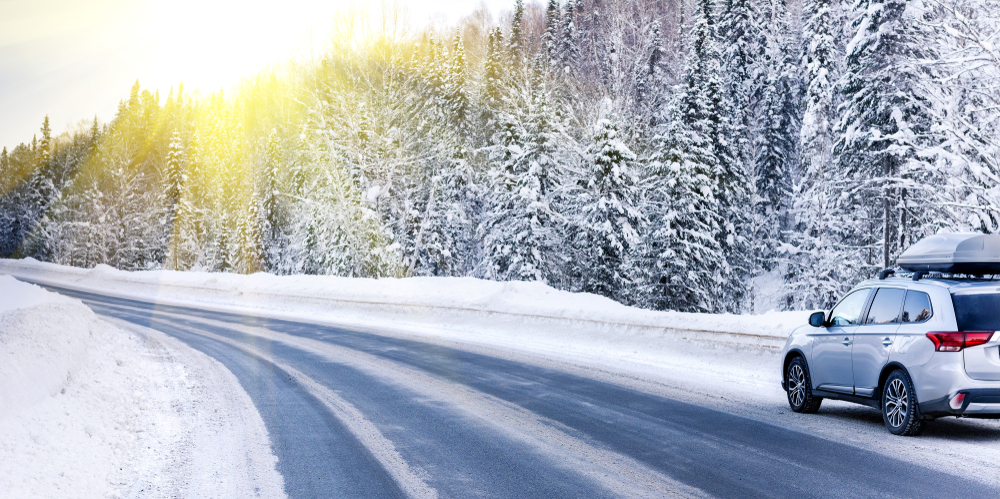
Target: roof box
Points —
{"points": [[954, 253]]}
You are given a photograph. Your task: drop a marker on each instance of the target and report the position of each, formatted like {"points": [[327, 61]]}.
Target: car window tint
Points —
{"points": [[977, 312], [848, 311], [917, 307], [885, 307]]}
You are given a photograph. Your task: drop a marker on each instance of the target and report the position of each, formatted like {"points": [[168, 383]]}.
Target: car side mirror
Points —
{"points": [[817, 319]]}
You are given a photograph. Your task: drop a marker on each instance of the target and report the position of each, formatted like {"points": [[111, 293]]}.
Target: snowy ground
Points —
{"points": [[91, 410], [416, 302], [722, 361]]}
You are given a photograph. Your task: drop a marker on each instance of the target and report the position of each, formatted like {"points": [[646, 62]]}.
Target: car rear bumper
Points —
{"points": [[978, 403]]}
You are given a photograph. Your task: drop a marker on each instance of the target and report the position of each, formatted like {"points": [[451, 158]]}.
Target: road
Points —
{"points": [[357, 414]]}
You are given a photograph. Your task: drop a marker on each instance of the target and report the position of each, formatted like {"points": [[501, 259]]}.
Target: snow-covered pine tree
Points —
{"points": [[455, 91], [777, 138], [248, 250], [704, 107], [190, 237], [649, 81], [443, 241], [683, 258], [816, 274], [44, 150], [272, 215], [609, 222], [569, 44], [174, 180], [13, 216], [517, 42], [174, 175], [42, 192], [744, 73], [493, 77], [550, 38], [521, 232], [882, 119], [745, 76]]}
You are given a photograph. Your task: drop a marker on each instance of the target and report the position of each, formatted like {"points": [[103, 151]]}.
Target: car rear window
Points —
{"points": [[977, 312]]}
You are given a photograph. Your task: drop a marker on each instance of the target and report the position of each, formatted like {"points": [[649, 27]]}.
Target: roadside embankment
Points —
{"points": [[474, 304], [91, 410]]}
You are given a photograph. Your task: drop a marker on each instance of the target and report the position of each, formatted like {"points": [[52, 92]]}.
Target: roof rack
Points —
{"points": [[926, 274]]}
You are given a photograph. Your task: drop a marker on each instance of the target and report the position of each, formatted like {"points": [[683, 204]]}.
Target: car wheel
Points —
{"points": [[800, 396], [899, 405]]}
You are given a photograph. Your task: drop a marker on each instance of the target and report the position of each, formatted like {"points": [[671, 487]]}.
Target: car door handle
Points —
{"points": [[847, 342], [886, 342]]}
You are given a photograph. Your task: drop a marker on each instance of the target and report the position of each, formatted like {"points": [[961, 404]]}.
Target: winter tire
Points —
{"points": [[899, 405], [800, 396]]}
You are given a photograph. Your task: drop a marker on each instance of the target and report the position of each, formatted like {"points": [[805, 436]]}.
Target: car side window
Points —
{"points": [[885, 307], [848, 311], [917, 307]]}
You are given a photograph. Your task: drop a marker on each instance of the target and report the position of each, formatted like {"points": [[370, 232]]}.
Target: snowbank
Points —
{"points": [[415, 301], [89, 410]]}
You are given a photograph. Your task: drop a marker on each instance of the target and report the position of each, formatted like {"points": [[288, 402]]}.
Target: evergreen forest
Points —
{"points": [[668, 154]]}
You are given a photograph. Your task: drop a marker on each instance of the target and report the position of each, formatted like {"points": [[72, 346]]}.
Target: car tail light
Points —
{"points": [[956, 401], [955, 341]]}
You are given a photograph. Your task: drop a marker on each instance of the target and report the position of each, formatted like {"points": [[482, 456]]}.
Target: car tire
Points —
{"points": [[799, 388], [899, 405]]}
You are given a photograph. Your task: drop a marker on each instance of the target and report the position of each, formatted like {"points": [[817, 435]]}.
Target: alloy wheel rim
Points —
{"points": [[796, 385], [896, 403]]}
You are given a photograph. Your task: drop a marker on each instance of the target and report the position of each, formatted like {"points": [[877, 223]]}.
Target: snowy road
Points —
{"points": [[355, 414]]}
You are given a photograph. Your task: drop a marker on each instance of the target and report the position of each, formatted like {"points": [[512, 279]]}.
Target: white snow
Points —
{"points": [[418, 301], [89, 410], [728, 362]]}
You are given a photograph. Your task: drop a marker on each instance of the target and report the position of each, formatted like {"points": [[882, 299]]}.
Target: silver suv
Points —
{"points": [[917, 348]]}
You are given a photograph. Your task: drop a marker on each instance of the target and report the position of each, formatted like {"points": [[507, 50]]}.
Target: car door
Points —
{"points": [[830, 366], [874, 337]]}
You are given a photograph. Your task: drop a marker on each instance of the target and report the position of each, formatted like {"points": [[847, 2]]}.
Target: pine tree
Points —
{"points": [[609, 221], [881, 120], [456, 96], [569, 45], [777, 138], [174, 180], [516, 46], [740, 33], [494, 71], [273, 218], [550, 38], [704, 109], [44, 148], [42, 192], [816, 275], [175, 172], [521, 230], [683, 257]]}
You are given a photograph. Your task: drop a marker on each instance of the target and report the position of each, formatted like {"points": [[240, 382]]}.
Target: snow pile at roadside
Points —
{"points": [[426, 300], [89, 410]]}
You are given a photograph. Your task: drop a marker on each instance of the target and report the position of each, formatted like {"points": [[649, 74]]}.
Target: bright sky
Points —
{"points": [[72, 59]]}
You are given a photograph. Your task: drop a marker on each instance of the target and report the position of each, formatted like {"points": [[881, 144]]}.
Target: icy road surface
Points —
{"points": [[356, 414]]}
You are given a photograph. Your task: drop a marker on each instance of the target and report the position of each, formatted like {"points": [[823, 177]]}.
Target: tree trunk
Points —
{"points": [[886, 218], [902, 220]]}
